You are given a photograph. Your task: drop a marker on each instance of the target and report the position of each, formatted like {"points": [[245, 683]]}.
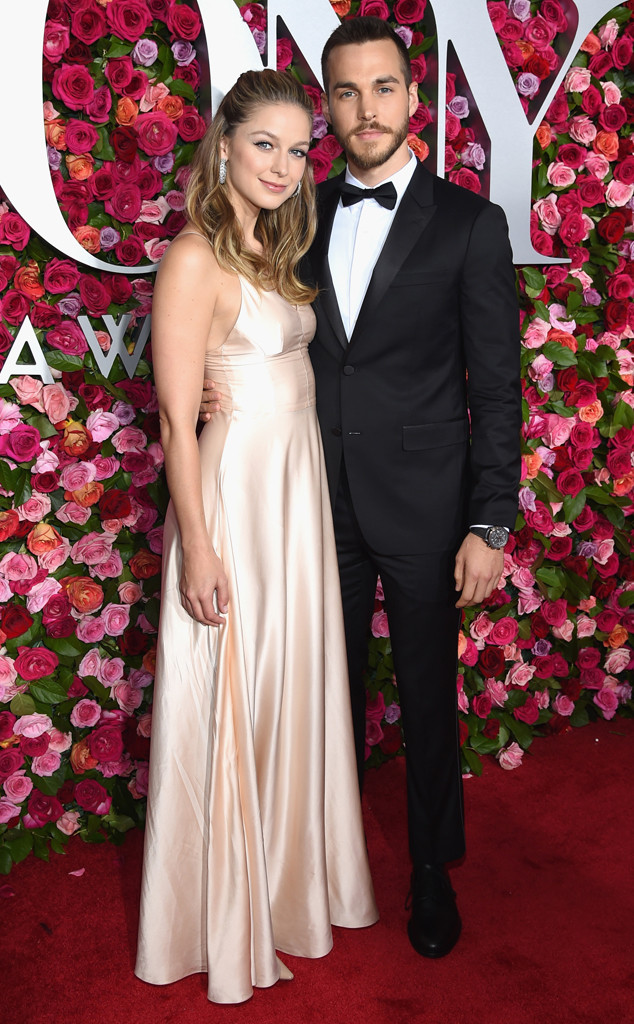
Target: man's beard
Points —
{"points": [[373, 156]]}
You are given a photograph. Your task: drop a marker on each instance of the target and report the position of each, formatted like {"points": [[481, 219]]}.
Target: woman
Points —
{"points": [[254, 837]]}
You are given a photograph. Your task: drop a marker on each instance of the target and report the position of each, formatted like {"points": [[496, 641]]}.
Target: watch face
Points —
{"points": [[497, 537]]}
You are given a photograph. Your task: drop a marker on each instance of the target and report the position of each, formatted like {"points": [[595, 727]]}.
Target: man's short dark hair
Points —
{"points": [[364, 30]]}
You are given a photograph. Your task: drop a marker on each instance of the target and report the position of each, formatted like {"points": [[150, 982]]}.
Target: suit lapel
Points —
{"points": [[327, 301], [414, 213]]}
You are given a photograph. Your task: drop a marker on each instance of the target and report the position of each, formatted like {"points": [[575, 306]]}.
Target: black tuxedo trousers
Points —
{"points": [[420, 412]]}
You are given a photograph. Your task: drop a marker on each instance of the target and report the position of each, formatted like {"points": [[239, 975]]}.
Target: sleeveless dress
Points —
{"points": [[254, 838]]}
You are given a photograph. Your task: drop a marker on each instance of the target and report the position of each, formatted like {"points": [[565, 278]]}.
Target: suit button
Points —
{"points": [[348, 370], [336, 431]]}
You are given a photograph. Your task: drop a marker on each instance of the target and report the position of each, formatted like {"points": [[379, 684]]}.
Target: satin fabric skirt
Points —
{"points": [[254, 838]]}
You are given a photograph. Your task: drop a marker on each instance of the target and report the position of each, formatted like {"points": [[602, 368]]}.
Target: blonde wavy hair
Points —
{"points": [[285, 233]]}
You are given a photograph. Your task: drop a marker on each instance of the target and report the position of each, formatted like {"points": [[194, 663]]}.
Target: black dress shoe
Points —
{"points": [[434, 927]]}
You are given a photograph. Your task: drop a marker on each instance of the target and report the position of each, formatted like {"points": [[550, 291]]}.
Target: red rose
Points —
{"points": [[183, 22], [134, 642], [15, 621], [482, 704], [592, 101], [33, 746], [106, 743], [137, 746], [591, 190], [9, 523], [114, 504], [125, 142], [14, 231], [622, 52], [528, 712], [159, 9], [102, 183], [35, 662], [89, 24], [41, 809], [613, 118], [572, 229], [99, 107], [14, 306], [572, 155], [22, 444], [60, 276], [491, 729], [7, 721], [10, 760], [373, 9], [467, 179], [73, 85], [129, 251], [157, 133], [191, 125], [616, 315], [570, 481], [145, 564], [560, 547], [125, 204], [92, 796], [138, 392], [128, 19], [407, 12], [491, 662], [392, 739], [137, 85], [94, 296], [600, 63]]}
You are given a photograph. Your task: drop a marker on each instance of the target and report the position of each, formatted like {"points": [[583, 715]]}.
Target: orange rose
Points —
{"points": [[618, 637], [533, 463], [88, 237], [127, 111], [149, 661], [43, 538], [607, 143], [172, 106], [569, 340], [526, 49], [417, 146], [80, 757], [591, 413], [9, 522], [145, 564], [87, 495], [624, 484], [76, 440], [84, 593], [27, 281], [462, 643], [56, 133], [591, 44], [341, 7], [544, 135], [79, 167]]}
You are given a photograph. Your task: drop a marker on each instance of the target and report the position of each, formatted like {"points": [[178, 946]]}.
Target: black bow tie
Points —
{"points": [[385, 194]]}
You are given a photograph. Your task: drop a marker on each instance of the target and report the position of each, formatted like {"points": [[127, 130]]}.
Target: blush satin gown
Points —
{"points": [[254, 839]]}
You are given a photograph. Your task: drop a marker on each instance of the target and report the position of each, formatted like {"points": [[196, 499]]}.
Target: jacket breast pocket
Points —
{"points": [[424, 436]]}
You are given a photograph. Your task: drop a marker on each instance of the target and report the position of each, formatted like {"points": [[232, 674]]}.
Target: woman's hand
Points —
{"points": [[202, 578]]}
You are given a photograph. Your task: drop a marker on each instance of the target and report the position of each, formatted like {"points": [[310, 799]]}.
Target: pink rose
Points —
{"points": [[18, 567], [46, 764], [110, 568], [618, 194], [76, 475], [510, 757], [101, 425], [128, 697], [111, 671], [56, 40], [28, 391], [597, 164], [70, 512], [481, 626], [8, 810], [577, 80], [86, 713], [563, 705], [618, 660], [519, 676], [18, 786], [583, 130], [32, 725], [90, 629], [93, 548], [22, 444], [607, 701], [57, 402], [68, 337], [69, 822], [90, 664], [550, 219], [36, 508], [560, 175], [129, 439], [130, 592], [116, 618], [59, 741]]}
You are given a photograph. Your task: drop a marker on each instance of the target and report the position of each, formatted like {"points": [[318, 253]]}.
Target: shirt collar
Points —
{"points": [[400, 179]]}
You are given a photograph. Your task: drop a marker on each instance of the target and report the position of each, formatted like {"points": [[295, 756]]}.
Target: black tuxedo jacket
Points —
{"points": [[423, 403]]}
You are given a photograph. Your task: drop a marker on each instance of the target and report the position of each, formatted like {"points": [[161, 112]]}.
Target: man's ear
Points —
{"points": [[325, 107], [413, 98]]}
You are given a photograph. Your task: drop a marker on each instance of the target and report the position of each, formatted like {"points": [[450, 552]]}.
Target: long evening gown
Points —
{"points": [[254, 838]]}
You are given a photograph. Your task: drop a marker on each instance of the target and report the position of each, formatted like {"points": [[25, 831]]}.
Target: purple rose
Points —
{"points": [[473, 155], [70, 305], [164, 163], [54, 158], [459, 106], [145, 52], [527, 84], [520, 9], [108, 238], [183, 51]]}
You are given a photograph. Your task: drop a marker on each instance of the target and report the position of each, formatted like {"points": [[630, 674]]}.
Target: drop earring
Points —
{"points": [[222, 173], [298, 189]]}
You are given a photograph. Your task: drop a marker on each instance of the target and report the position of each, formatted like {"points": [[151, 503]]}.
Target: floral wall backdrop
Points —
{"points": [[81, 490]]}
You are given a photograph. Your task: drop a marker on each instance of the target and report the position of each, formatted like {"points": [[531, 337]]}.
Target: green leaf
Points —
{"points": [[623, 415], [573, 505], [67, 646], [8, 477], [48, 692], [602, 497], [40, 847], [579, 716], [5, 861], [117, 48], [626, 599], [20, 847], [22, 704], [47, 784], [22, 489], [534, 279], [473, 761], [559, 354], [550, 577], [178, 87], [523, 733], [119, 822], [61, 361], [42, 423], [542, 311], [616, 516]]}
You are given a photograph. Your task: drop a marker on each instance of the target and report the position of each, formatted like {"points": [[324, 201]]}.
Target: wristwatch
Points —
{"points": [[494, 536]]}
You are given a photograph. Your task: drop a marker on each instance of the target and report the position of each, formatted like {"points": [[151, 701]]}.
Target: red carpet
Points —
{"points": [[545, 893]]}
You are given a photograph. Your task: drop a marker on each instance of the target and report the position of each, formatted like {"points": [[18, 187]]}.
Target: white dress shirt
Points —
{"points": [[358, 235]]}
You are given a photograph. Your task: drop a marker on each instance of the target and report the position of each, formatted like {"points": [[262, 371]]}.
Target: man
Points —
{"points": [[417, 295]]}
